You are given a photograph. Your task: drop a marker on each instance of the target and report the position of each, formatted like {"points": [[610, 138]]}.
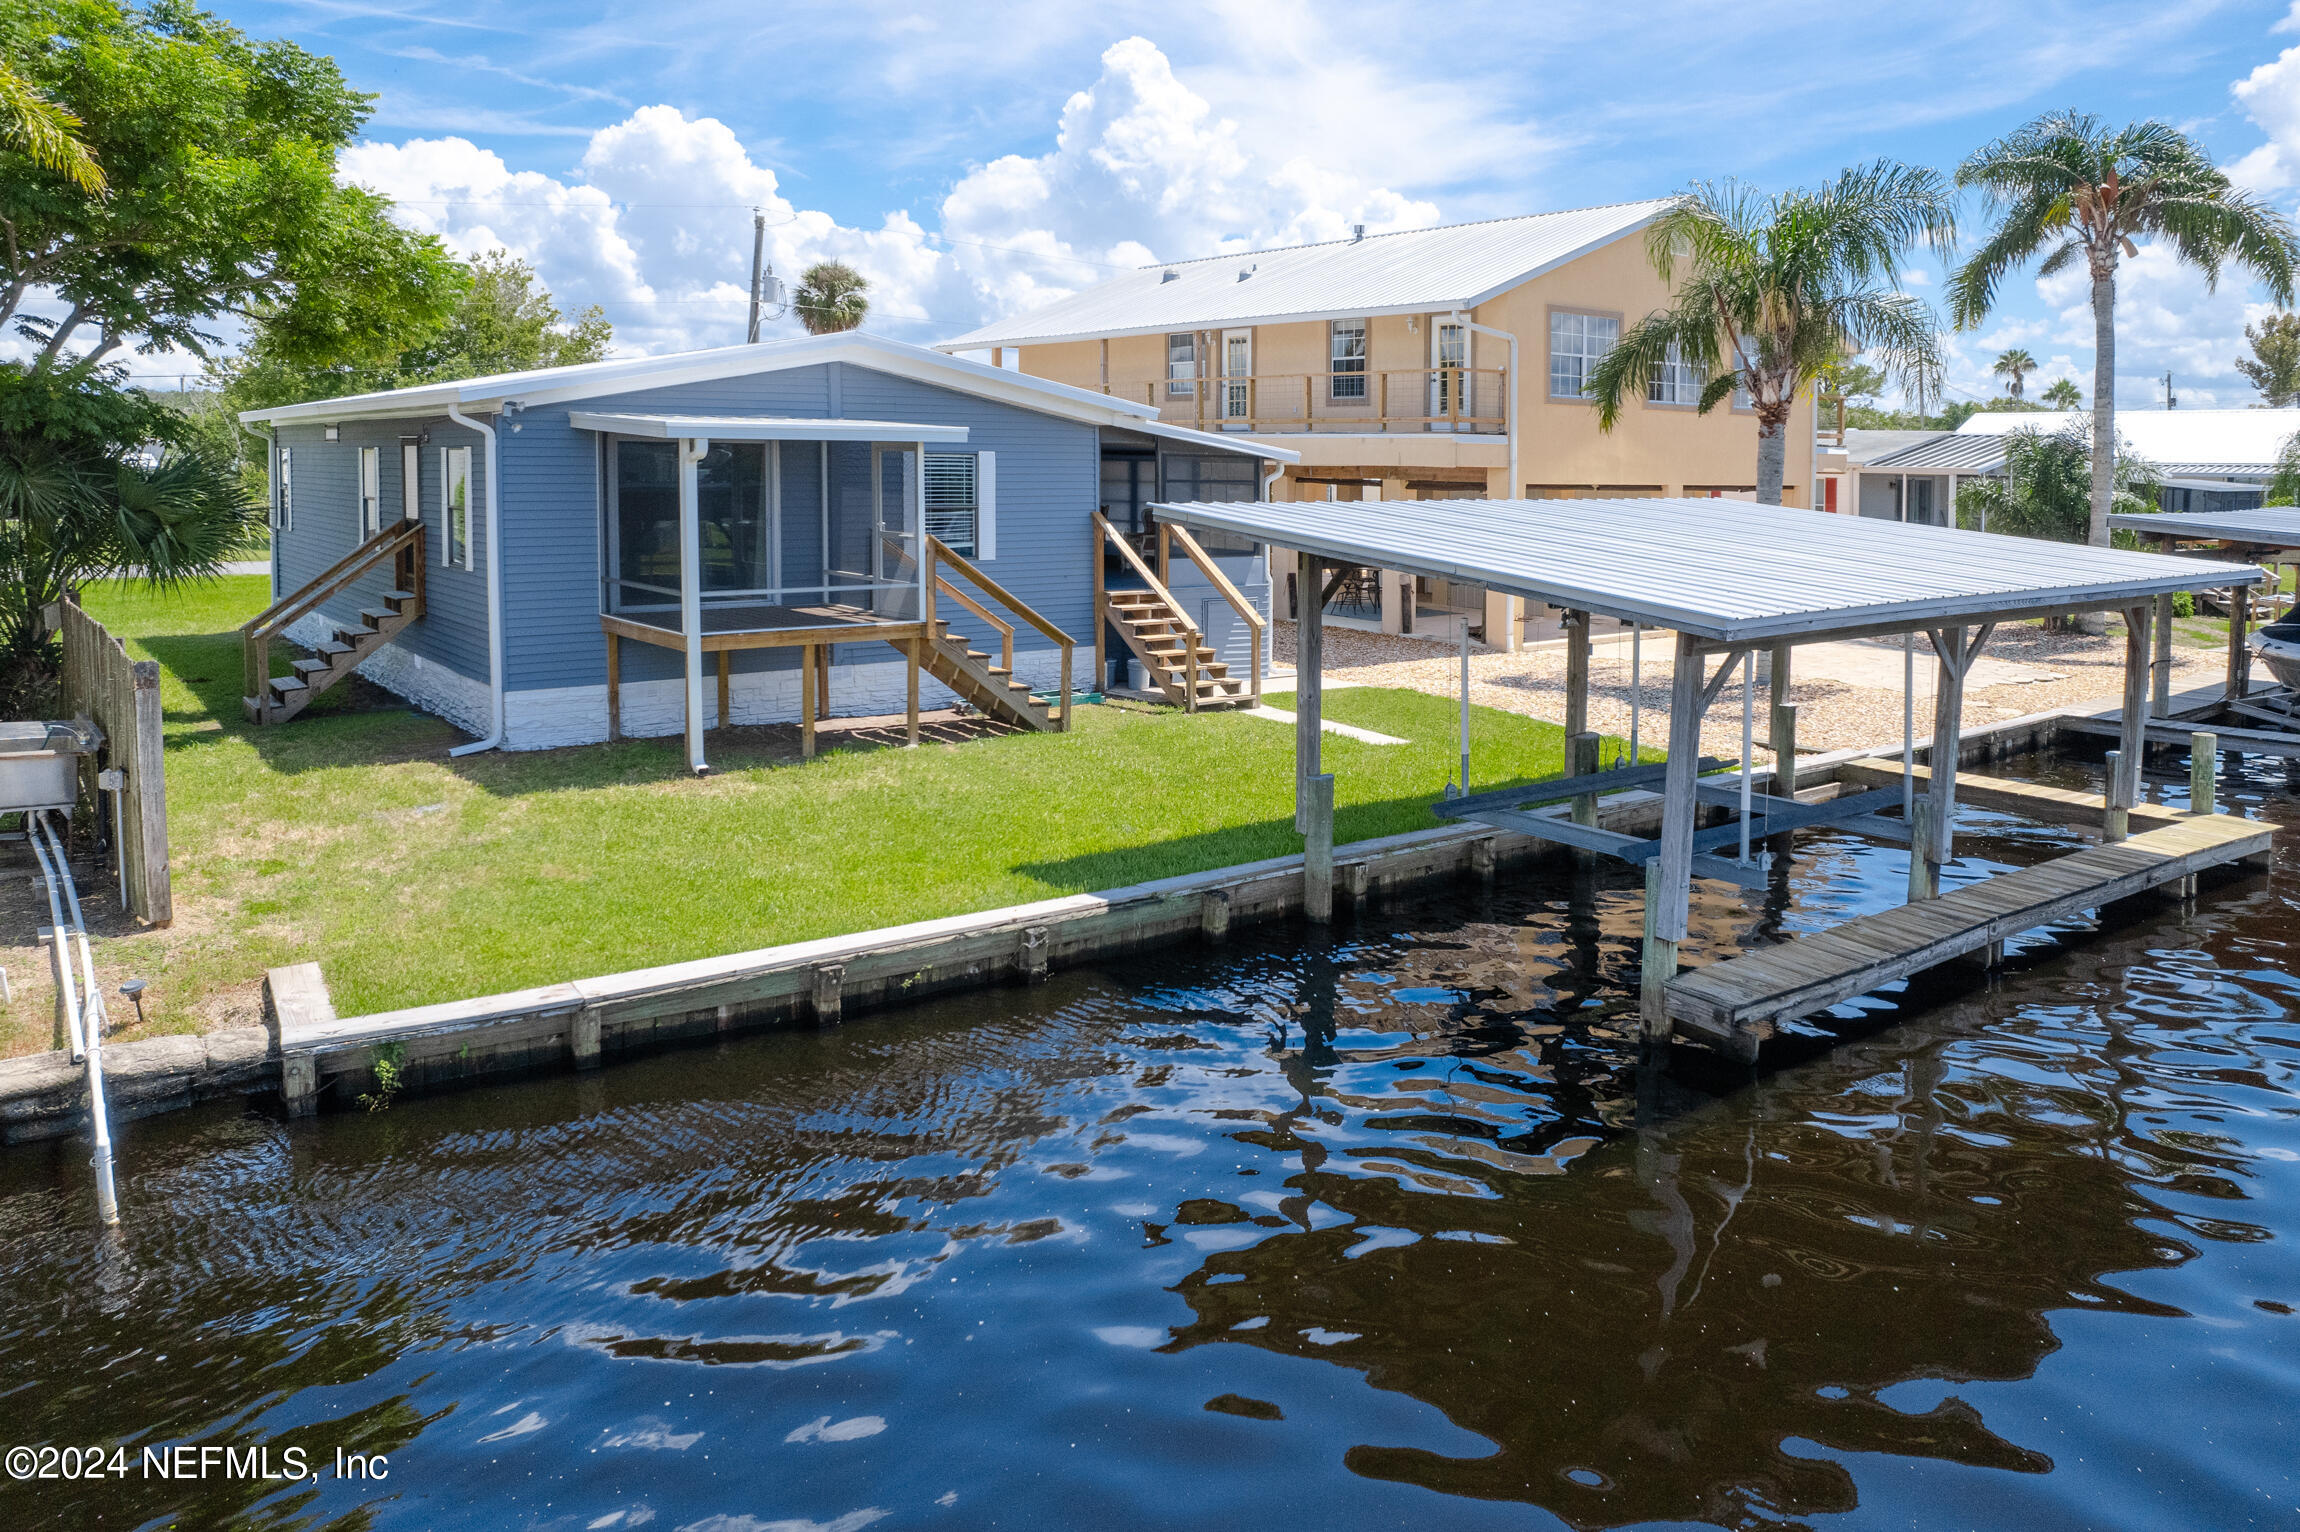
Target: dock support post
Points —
{"points": [[1318, 851], [1355, 879], [1482, 859], [810, 655], [1036, 956], [830, 994], [299, 1084], [1781, 726], [2203, 773], [2160, 668], [2132, 725], [583, 1037], [296, 999], [1309, 690], [1933, 844], [1214, 915], [1581, 761], [1576, 625], [1669, 875], [1924, 872], [2239, 657]]}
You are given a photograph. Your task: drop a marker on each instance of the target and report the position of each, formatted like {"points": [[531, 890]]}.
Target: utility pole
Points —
{"points": [[758, 269], [2171, 399]]}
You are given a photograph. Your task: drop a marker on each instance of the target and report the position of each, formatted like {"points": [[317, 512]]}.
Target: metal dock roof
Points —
{"points": [[1723, 570], [2267, 526]]}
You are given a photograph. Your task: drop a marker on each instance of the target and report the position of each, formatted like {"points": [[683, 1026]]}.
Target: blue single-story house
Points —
{"points": [[795, 513]]}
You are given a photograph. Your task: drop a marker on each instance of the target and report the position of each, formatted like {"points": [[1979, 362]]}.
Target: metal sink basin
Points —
{"points": [[40, 764]]}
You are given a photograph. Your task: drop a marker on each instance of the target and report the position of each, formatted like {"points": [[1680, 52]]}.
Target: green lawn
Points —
{"points": [[348, 836]]}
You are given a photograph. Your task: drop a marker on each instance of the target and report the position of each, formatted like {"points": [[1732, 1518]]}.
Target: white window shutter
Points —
{"points": [[986, 505]]}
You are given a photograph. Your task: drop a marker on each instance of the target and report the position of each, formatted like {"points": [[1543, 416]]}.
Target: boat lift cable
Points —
{"points": [[82, 1000]]}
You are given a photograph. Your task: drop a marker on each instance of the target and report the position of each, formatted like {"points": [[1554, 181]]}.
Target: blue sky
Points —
{"points": [[975, 160]]}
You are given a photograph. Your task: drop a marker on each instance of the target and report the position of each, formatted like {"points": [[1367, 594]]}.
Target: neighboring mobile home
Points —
{"points": [[595, 539], [1431, 363]]}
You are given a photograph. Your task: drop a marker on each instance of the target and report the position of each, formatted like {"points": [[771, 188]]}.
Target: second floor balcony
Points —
{"points": [[1459, 400]]}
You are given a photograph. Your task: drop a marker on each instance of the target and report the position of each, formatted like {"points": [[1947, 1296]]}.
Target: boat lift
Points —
{"points": [[40, 779]]}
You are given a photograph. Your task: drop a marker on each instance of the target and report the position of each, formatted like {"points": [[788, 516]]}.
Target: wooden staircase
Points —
{"points": [[990, 688], [1174, 654], [275, 699], [1158, 631]]}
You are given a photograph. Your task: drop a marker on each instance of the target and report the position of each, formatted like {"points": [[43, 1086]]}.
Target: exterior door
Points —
{"points": [[1449, 379], [894, 539], [1237, 397]]}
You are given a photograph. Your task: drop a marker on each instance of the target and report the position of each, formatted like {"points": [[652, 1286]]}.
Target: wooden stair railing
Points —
{"points": [[1168, 535], [267, 701], [939, 555], [1191, 679]]}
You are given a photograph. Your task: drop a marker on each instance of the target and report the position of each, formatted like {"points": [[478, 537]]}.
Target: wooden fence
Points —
{"points": [[123, 697]]}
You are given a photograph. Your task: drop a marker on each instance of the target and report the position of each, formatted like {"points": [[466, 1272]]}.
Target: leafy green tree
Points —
{"points": [[220, 200], [2064, 395], [2046, 490], [2284, 481], [2014, 366], [42, 131], [1775, 289], [78, 503], [1855, 380], [2274, 366], [831, 297], [2068, 188]]}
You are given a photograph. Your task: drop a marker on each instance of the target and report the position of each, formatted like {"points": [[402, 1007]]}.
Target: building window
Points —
{"points": [[1348, 352], [287, 490], [455, 507], [1181, 366], [1577, 342], [411, 480], [370, 491], [1675, 380], [951, 500]]}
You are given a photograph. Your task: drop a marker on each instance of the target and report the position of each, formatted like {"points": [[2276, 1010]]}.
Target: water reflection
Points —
{"points": [[1277, 1229]]}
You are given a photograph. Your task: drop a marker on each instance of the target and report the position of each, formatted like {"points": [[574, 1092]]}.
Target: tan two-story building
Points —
{"points": [[1433, 363]]}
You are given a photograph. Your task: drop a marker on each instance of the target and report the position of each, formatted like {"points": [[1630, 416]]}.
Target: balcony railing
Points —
{"points": [[1467, 400]]}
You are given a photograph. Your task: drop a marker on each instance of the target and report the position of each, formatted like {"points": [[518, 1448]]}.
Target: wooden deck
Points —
{"points": [[763, 627], [1734, 1005]]}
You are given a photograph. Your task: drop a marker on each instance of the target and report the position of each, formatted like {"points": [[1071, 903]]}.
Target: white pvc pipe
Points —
{"points": [[691, 454], [1909, 727], [494, 586], [1465, 705], [89, 1011], [1636, 686], [1748, 741]]}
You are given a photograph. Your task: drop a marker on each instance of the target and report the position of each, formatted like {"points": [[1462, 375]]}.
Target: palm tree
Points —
{"points": [[2014, 365], [44, 131], [831, 297], [2064, 395], [1778, 290], [2068, 188]]}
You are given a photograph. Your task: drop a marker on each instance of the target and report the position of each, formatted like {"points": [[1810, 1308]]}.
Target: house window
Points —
{"points": [[370, 491], [731, 517], [1181, 366], [1577, 343], [411, 480], [455, 506], [1348, 380], [951, 503], [287, 490], [1675, 380], [646, 514]]}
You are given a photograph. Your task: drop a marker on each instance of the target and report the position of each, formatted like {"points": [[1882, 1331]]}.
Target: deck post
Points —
{"points": [[2131, 725], [2160, 670], [691, 452], [810, 655], [2203, 773], [2239, 657], [1669, 875], [1309, 694], [725, 660], [1781, 725], [910, 693], [614, 686], [1580, 744]]}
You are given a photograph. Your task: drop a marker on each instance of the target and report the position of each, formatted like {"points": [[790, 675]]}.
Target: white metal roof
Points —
{"points": [[1415, 271], [2242, 440], [2267, 526], [1728, 571], [1947, 452], [764, 428]]}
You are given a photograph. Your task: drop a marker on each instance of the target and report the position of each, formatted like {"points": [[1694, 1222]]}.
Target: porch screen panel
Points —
{"points": [[731, 513], [850, 514], [647, 521], [801, 510]]}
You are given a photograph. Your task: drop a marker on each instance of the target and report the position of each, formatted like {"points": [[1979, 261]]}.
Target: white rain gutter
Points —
{"points": [[494, 737]]}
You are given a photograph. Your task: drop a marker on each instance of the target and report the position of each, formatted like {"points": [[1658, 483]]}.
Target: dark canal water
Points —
{"points": [[1383, 1233]]}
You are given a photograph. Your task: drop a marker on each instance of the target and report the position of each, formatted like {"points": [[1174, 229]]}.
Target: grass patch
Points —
{"points": [[347, 836]]}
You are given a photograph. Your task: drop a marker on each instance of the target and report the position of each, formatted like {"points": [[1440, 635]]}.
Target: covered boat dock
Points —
{"points": [[1726, 585], [2264, 721]]}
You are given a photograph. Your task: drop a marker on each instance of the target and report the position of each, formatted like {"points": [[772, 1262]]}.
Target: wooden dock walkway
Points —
{"points": [[1734, 1005]]}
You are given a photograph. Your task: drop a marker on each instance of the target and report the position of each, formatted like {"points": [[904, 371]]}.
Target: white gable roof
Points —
{"points": [[1417, 271], [2236, 438], [589, 380]]}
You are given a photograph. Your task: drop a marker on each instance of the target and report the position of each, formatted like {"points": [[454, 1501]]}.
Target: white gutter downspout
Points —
{"points": [[494, 739], [1516, 484]]}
